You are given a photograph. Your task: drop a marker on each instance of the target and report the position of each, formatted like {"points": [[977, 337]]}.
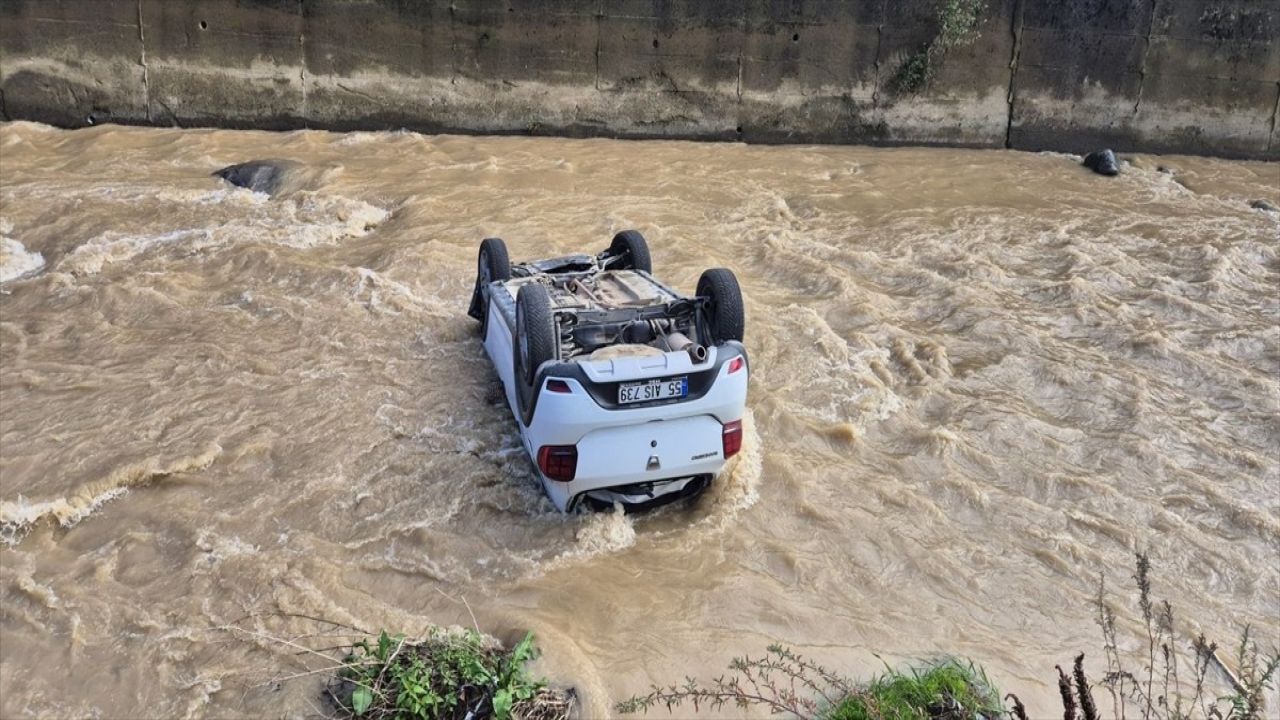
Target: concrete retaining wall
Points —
{"points": [[1199, 76]]}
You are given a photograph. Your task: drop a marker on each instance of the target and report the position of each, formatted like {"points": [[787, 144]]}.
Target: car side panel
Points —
{"points": [[498, 346]]}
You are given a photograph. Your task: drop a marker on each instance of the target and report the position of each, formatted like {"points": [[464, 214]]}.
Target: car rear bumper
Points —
{"points": [[646, 496], [636, 464], [665, 445]]}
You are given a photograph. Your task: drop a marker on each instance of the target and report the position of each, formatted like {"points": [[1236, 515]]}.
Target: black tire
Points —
{"points": [[722, 313], [632, 251], [492, 264], [535, 340]]}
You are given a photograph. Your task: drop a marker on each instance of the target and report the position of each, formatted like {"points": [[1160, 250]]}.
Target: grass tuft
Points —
{"points": [[785, 682], [946, 690]]}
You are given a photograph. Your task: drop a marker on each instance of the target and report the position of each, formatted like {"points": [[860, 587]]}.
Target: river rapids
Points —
{"points": [[981, 379]]}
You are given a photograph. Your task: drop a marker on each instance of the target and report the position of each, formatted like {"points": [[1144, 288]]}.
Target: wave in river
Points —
{"points": [[18, 516], [15, 260]]}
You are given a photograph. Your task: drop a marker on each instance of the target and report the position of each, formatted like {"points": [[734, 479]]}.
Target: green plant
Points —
{"points": [[915, 72], [1156, 692], [445, 675], [782, 681], [1257, 673], [945, 690], [957, 26], [785, 682]]}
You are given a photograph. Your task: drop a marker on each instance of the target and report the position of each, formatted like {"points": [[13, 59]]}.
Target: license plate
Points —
{"points": [[653, 390]]}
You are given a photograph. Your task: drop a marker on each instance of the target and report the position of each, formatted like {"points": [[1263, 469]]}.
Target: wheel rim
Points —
{"points": [[485, 276]]}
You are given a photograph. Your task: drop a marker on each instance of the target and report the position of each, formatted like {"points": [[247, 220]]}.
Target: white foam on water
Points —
{"points": [[453, 442], [15, 259], [113, 247], [18, 516], [361, 137], [738, 485], [857, 379], [604, 533], [202, 689], [135, 194], [311, 219], [382, 294], [23, 574], [302, 221], [735, 489], [219, 548]]}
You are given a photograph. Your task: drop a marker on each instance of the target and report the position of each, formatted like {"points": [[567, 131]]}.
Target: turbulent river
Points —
{"points": [[980, 379]]}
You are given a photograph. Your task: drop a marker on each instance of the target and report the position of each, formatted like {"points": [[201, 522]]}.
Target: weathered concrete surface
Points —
{"points": [[72, 63], [223, 62], [1200, 76], [1160, 75]]}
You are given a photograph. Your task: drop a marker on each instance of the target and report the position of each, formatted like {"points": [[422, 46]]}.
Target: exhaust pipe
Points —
{"points": [[679, 341]]}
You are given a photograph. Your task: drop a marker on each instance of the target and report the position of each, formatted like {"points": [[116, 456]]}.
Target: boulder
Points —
{"points": [[264, 176], [1102, 162]]}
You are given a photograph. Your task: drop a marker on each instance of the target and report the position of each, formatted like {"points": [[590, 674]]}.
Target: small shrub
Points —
{"points": [[915, 72], [782, 681], [957, 26], [785, 682], [445, 675], [957, 20], [1257, 673], [1156, 692]]}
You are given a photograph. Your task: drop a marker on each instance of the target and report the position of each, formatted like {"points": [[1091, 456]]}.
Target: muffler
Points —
{"points": [[679, 341]]}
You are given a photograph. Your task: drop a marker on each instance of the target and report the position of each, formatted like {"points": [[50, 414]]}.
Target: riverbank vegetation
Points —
{"points": [[465, 675], [957, 26], [445, 675], [785, 682], [1176, 681]]}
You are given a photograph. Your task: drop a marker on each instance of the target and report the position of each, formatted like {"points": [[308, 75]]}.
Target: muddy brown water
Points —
{"points": [[980, 378]]}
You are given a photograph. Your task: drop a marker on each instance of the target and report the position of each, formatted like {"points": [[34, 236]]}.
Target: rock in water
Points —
{"points": [[1264, 205], [262, 176], [1102, 162]]}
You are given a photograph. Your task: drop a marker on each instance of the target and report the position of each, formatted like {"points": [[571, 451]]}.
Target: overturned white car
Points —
{"points": [[624, 390]]}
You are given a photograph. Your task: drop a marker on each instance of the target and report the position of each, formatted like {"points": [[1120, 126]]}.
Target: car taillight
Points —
{"points": [[558, 462], [559, 386], [732, 438], [736, 364]]}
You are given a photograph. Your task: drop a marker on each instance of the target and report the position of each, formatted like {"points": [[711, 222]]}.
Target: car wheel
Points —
{"points": [[632, 251], [492, 264], [535, 331], [722, 308]]}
